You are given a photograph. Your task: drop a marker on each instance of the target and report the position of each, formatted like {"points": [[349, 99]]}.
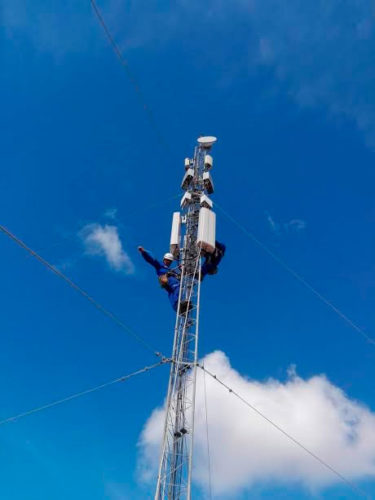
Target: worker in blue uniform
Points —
{"points": [[169, 279]]}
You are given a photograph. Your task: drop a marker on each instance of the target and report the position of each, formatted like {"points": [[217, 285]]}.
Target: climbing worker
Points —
{"points": [[169, 279], [212, 260]]}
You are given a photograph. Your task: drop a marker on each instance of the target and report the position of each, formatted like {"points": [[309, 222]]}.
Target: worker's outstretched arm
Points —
{"points": [[148, 258]]}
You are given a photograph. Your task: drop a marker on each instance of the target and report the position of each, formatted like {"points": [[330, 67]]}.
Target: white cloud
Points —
{"points": [[105, 241], [321, 51], [115, 491], [65, 264], [247, 450], [294, 225]]}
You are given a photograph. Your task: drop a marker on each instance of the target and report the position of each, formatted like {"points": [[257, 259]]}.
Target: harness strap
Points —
{"points": [[163, 280]]}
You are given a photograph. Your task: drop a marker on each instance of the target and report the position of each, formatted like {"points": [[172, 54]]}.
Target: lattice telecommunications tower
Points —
{"points": [[194, 226]]}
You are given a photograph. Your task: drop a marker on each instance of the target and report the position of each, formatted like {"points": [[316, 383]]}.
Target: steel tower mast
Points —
{"points": [[198, 227]]}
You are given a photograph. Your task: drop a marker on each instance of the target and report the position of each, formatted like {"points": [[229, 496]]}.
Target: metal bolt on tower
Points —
{"points": [[196, 222]]}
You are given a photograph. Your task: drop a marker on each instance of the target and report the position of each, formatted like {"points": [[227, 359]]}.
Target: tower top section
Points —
{"points": [[207, 141]]}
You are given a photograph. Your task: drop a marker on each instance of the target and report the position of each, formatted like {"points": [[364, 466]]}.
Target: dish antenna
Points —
{"points": [[207, 141]]}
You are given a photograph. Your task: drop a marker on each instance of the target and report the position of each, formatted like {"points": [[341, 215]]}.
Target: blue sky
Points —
{"points": [[288, 90]]}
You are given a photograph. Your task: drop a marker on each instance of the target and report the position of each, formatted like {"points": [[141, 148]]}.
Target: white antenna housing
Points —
{"points": [[175, 235], [186, 199], [188, 177], [208, 162], [206, 230], [208, 182], [205, 201]]}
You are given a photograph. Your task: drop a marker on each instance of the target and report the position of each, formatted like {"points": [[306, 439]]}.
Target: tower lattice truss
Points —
{"points": [[194, 227]]}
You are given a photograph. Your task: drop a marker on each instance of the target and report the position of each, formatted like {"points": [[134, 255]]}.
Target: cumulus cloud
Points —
{"points": [[104, 240], [246, 450]]}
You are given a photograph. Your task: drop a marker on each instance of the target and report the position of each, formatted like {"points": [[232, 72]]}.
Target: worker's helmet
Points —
{"points": [[168, 256]]}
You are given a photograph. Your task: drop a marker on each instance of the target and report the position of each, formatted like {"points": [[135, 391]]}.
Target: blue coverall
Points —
{"points": [[173, 287]]}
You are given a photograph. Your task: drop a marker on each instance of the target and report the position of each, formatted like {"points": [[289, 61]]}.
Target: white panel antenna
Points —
{"points": [[205, 201], [208, 182], [186, 199], [187, 163], [206, 230], [208, 162], [188, 177], [175, 235]]}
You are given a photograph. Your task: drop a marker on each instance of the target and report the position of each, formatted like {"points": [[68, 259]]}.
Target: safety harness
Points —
{"points": [[163, 278]]}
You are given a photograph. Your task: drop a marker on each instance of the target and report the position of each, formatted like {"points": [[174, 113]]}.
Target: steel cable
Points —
{"points": [[207, 436], [78, 289], [325, 464], [131, 76], [298, 277], [240, 226], [82, 393]]}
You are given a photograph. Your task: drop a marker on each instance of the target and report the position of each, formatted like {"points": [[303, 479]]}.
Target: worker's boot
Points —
{"points": [[213, 271], [185, 305]]}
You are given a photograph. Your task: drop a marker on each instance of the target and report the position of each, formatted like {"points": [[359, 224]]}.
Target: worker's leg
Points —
{"points": [[173, 298], [208, 267], [173, 295], [213, 260], [219, 252]]}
